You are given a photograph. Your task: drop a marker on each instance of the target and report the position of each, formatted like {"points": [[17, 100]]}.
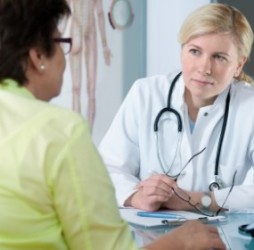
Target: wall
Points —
{"points": [[127, 64], [148, 46], [246, 7], [164, 19]]}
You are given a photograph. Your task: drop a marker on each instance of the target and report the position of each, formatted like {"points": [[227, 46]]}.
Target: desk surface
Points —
{"points": [[229, 232]]}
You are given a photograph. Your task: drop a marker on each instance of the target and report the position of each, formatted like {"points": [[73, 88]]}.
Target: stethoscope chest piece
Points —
{"points": [[216, 184]]}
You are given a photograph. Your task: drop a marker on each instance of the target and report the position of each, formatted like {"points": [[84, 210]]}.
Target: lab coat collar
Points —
{"points": [[221, 99]]}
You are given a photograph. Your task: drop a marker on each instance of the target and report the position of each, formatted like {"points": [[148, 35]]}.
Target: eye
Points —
{"points": [[220, 58], [194, 52]]}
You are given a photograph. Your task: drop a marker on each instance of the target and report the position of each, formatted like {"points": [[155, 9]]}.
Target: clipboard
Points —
{"points": [[131, 216]]}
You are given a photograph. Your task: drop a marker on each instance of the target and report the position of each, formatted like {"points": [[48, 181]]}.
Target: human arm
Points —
{"points": [[185, 200], [191, 235], [101, 22], [76, 29], [84, 198], [124, 146]]}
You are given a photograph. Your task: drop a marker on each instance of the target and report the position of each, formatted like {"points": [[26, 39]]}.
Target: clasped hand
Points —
{"points": [[152, 193]]}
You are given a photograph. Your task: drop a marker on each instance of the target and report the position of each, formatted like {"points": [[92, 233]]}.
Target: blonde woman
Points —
{"points": [[183, 140]]}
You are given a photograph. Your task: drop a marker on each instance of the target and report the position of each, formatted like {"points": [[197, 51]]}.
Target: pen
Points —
{"points": [[178, 222], [181, 221], [160, 215]]}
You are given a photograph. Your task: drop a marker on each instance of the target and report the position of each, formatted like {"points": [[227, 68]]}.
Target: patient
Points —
{"points": [[55, 193]]}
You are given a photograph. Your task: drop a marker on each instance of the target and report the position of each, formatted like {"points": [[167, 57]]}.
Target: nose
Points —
{"points": [[205, 65]]}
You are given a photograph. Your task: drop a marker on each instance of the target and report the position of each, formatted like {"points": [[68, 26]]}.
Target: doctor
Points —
{"points": [[186, 140]]}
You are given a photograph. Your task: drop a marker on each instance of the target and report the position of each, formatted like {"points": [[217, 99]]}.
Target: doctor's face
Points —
{"points": [[209, 63]]}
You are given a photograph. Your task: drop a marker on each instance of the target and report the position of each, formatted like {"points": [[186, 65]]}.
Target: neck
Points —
{"points": [[194, 104]]}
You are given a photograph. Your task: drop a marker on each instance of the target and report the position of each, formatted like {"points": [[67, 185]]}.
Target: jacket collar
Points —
{"points": [[12, 86]]}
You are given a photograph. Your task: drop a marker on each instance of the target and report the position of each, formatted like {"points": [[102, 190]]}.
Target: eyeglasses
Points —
{"points": [[187, 198], [175, 177], [65, 43]]}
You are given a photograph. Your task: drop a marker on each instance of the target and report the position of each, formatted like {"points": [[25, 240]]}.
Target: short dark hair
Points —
{"points": [[23, 25]]}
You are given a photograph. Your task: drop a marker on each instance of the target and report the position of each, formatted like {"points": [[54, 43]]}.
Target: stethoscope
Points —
{"points": [[217, 182]]}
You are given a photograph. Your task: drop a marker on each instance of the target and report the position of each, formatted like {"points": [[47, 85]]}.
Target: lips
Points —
{"points": [[202, 82]]}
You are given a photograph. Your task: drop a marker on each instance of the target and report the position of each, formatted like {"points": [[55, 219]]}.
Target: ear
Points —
{"points": [[240, 65], [36, 60]]}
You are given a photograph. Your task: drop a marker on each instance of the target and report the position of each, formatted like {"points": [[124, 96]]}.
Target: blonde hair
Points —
{"points": [[220, 18]]}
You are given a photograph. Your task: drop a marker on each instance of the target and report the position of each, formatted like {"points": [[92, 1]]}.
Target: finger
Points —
{"points": [[154, 186], [167, 180], [156, 199], [218, 244], [153, 194], [146, 201], [160, 178], [156, 191]]}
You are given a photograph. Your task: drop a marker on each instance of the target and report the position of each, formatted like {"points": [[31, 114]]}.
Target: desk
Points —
{"points": [[229, 232]]}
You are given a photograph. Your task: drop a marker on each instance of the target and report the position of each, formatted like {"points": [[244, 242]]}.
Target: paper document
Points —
{"points": [[179, 217]]}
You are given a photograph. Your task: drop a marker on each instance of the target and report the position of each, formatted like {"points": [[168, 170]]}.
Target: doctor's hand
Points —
{"points": [[152, 193]]}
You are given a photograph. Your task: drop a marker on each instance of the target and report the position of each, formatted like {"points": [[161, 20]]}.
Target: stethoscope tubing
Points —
{"points": [[222, 134], [159, 155], [169, 109]]}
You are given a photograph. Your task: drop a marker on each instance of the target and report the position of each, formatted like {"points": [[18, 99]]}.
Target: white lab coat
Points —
{"points": [[129, 147]]}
